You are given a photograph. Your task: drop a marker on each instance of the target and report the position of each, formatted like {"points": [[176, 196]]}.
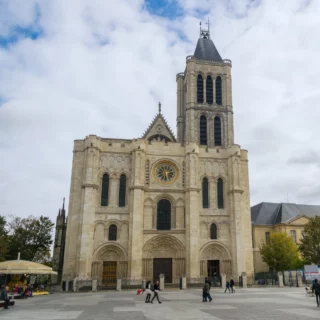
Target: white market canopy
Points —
{"points": [[23, 266]]}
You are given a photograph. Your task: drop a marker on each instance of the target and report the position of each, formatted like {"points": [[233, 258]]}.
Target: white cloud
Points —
{"points": [[101, 69]]}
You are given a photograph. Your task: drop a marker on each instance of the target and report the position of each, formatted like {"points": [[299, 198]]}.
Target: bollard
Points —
{"points": [[94, 285], [280, 279], [223, 280], [184, 282], [244, 280], [118, 285], [161, 281], [299, 279]]}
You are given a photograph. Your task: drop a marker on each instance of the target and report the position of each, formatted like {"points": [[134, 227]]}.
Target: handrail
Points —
{"points": [[225, 61]]}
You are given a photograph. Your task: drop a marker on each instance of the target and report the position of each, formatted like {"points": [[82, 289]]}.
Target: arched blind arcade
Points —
{"points": [[199, 89], [209, 90], [205, 193], [217, 131], [113, 233], [164, 215], [122, 191], [220, 193], [213, 232], [105, 190], [218, 90], [203, 130]]}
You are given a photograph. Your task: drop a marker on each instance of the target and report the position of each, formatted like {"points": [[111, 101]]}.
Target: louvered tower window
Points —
{"points": [[220, 193], [105, 190], [122, 191], [205, 193], [164, 215], [113, 233], [200, 89], [217, 131], [218, 90], [203, 130], [209, 90], [213, 232]]}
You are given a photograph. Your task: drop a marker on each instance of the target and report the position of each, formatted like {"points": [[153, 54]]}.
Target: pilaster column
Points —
{"points": [[192, 219], [136, 217]]}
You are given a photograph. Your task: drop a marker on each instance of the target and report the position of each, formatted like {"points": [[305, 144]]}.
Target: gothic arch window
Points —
{"points": [[217, 131], [209, 90], [105, 190], [205, 193], [203, 130], [199, 89], [122, 191], [218, 90], [220, 193], [164, 215], [213, 232], [112, 233]]}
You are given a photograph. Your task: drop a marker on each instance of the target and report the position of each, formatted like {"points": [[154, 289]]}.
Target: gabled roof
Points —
{"points": [[266, 213], [159, 130]]}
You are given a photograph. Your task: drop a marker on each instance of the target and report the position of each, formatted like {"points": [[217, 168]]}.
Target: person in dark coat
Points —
{"points": [[206, 291], [227, 287], [316, 288], [4, 296], [156, 289], [232, 285]]}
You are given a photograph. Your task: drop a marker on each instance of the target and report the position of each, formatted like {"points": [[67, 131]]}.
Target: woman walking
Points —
{"points": [[148, 291], [232, 285]]}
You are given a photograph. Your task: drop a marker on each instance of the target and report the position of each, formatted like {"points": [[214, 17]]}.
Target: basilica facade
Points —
{"points": [[165, 204]]}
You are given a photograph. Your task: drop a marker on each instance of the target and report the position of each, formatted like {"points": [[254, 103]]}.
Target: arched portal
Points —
{"points": [[163, 254], [109, 262], [215, 259]]}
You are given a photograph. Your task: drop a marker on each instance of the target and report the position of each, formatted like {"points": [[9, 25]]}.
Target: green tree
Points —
{"points": [[3, 238], [310, 244], [281, 253], [31, 237]]}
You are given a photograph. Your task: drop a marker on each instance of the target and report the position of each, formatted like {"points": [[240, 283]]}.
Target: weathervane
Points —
{"points": [[205, 33]]}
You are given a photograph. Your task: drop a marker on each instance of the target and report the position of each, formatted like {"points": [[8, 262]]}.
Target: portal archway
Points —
{"points": [[215, 258], [163, 254], [110, 261]]}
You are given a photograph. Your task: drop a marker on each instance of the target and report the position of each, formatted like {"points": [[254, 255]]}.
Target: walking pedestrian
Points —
{"points": [[156, 289], [232, 285], [148, 291], [227, 287], [4, 296], [316, 288], [204, 294]]}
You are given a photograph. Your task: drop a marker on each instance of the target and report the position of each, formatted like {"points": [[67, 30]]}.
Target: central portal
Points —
{"points": [[162, 266]]}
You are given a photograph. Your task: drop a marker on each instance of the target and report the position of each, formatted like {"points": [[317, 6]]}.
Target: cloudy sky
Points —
{"points": [[78, 67]]}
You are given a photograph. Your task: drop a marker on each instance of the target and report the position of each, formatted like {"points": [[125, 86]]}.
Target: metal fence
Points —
{"points": [[259, 279]]}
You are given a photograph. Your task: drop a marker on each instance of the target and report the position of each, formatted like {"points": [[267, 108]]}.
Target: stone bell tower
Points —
{"points": [[204, 97]]}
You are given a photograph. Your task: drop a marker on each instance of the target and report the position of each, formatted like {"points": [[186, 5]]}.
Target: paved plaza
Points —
{"points": [[246, 304]]}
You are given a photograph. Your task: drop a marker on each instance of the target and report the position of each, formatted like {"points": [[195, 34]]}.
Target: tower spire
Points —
{"points": [[159, 105], [63, 204]]}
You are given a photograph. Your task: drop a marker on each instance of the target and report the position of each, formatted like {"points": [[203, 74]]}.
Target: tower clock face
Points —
{"points": [[165, 172]]}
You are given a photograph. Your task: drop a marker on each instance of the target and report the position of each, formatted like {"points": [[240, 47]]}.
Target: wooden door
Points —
{"points": [[109, 275], [162, 266]]}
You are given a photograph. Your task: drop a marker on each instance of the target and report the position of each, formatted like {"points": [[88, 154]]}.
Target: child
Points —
{"points": [[227, 287]]}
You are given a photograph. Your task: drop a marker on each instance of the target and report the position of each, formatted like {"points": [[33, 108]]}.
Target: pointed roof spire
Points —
{"points": [[159, 105], [63, 203], [206, 49]]}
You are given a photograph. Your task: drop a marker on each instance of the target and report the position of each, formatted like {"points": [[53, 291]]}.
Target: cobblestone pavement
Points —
{"points": [[253, 303]]}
